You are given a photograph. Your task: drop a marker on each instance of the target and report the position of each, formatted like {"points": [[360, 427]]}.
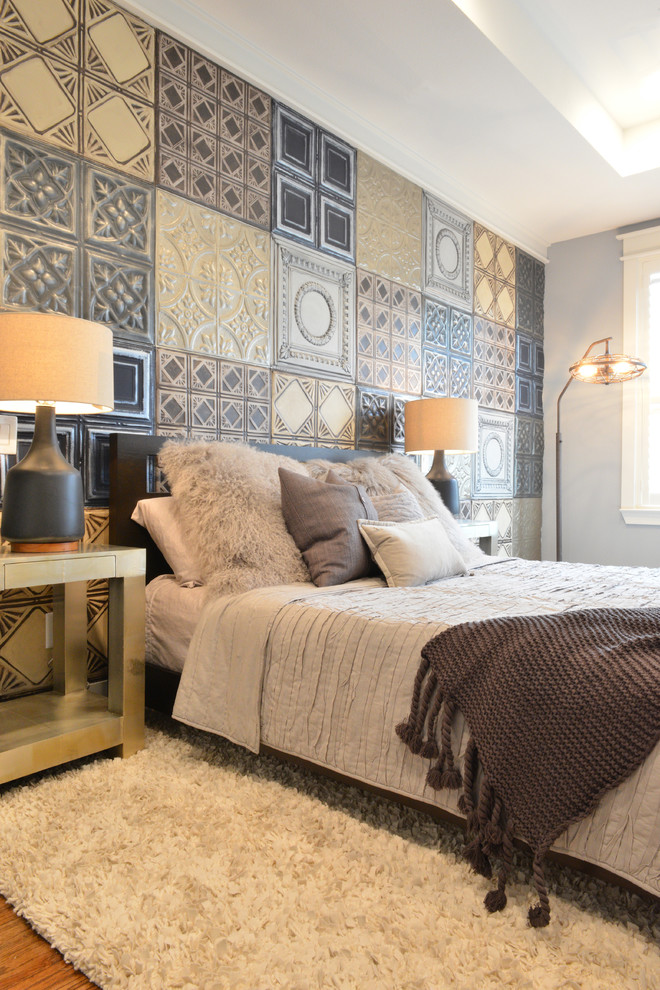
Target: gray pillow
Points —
{"points": [[322, 519]]}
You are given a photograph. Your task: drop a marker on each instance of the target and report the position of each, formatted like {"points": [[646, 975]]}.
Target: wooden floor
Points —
{"points": [[29, 963]]}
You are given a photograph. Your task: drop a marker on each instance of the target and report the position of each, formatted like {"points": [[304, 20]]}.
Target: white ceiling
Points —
{"points": [[541, 118]]}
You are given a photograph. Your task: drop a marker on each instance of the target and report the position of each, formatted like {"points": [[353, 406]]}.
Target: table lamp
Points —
{"points": [[49, 363], [442, 426]]}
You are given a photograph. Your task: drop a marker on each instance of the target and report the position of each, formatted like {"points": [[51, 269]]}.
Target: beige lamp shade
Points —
{"points": [[55, 359], [451, 425]]}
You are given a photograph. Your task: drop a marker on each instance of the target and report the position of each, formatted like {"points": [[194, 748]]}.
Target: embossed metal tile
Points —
{"points": [[389, 334], [118, 213], [315, 313], [213, 282], [309, 410], [225, 400], [214, 139], [40, 185], [495, 265], [494, 462], [313, 184], [448, 252], [80, 75], [388, 223], [39, 273]]}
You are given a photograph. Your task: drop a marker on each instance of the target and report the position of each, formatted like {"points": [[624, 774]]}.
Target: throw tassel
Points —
{"points": [[405, 730], [539, 916], [435, 775], [466, 800], [495, 900], [477, 859]]}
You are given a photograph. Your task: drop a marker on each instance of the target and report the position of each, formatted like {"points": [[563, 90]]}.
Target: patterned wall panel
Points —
{"points": [[389, 223], [314, 312], [213, 134], [80, 74], [213, 282], [313, 185], [448, 257], [389, 335], [140, 186]]}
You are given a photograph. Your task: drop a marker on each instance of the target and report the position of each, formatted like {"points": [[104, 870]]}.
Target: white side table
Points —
{"points": [[47, 729], [483, 531]]}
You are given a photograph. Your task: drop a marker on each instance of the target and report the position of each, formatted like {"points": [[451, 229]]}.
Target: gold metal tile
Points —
{"points": [[117, 130], [293, 407], [213, 278], [388, 222], [484, 249], [505, 261], [336, 414], [50, 24], [119, 49], [39, 96]]}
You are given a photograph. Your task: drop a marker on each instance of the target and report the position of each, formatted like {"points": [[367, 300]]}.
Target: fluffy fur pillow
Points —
{"points": [[385, 475], [227, 498]]}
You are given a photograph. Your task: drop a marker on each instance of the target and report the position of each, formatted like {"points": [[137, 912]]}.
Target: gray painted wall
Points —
{"points": [[584, 301]]}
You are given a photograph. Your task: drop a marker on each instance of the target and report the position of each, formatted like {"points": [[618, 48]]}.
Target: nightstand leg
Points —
{"points": [[489, 544], [126, 658], [70, 637]]}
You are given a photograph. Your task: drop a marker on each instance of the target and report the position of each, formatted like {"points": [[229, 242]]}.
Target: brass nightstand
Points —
{"points": [[44, 730]]}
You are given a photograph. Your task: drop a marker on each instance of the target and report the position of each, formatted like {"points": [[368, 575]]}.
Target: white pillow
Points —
{"points": [[412, 553], [158, 517]]}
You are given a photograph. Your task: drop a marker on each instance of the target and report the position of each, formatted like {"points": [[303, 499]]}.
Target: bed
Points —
{"points": [[321, 674]]}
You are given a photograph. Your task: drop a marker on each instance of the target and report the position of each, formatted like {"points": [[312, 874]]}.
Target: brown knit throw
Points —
{"points": [[560, 709]]}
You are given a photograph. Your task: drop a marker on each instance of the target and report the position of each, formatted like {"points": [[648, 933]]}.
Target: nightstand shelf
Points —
{"points": [[485, 531], [47, 729]]}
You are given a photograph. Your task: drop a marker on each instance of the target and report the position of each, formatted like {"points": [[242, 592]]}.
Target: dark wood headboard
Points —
{"points": [[133, 475]]}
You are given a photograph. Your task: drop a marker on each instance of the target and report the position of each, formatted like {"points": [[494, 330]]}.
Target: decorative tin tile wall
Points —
{"points": [[388, 222], [530, 289], [494, 277], [313, 185], [389, 336], [502, 511], [314, 312], [213, 134], [139, 184], [447, 253], [213, 282], [494, 461], [313, 412], [447, 351], [380, 420], [203, 397], [494, 365], [80, 75]]}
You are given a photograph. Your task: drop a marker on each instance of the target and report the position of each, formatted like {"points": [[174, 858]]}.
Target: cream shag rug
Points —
{"points": [[196, 866]]}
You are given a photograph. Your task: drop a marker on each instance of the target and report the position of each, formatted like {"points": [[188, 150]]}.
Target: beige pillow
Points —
{"points": [[412, 553], [227, 500], [322, 518], [159, 518]]}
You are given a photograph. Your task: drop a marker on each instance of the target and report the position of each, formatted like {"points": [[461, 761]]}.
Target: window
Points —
{"points": [[640, 461]]}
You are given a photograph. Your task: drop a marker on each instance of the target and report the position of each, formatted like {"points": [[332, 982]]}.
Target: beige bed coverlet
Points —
{"points": [[325, 674]]}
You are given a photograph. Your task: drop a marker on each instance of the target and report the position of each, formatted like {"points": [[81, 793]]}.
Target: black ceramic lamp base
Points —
{"points": [[445, 483], [42, 508]]}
